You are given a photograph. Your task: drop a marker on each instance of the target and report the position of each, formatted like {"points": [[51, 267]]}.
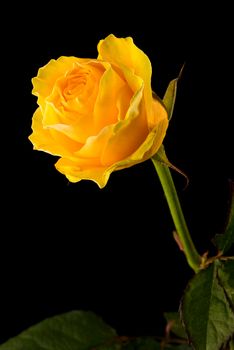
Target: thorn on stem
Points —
{"points": [[178, 241]]}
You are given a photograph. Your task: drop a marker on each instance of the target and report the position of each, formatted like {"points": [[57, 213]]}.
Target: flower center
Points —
{"points": [[76, 82]]}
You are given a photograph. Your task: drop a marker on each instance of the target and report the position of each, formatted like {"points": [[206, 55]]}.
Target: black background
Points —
{"points": [[73, 246]]}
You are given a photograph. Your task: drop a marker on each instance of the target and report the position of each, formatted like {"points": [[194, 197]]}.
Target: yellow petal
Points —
{"points": [[44, 82], [152, 143], [78, 89], [106, 109], [76, 171], [94, 145], [123, 52], [146, 150], [155, 137], [123, 101], [91, 169], [159, 113], [128, 134], [50, 141], [52, 115], [74, 117], [78, 132]]}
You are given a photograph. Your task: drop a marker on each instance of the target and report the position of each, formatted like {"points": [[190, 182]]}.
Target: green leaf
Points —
{"points": [[226, 277], [231, 345], [149, 343], [224, 241], [170, 95], [144, 343], [175, 324], [178, 347], [114, 346], [206, 308], [76, 330]]}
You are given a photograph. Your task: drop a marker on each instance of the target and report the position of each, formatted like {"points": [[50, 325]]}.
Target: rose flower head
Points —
{"points": [[98, 115]]}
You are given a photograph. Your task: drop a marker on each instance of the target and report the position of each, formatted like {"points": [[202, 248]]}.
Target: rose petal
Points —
{"points": [[51, 141], [107, 106], [128, 134], [77, 124], [147, 149], [90, 169], [123, 52], [44, 82], [78, 132], [75, 172], [95, 144], [159, 113]]}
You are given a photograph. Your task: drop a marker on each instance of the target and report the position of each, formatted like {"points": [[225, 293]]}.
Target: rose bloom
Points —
{"points": [[98, 115]]}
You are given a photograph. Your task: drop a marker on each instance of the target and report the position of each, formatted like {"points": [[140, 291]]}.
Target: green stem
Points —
{"points": [[192, 256]]}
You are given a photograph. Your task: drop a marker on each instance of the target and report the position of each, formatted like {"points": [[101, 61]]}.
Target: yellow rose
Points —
{"points": [[98, 115]]}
